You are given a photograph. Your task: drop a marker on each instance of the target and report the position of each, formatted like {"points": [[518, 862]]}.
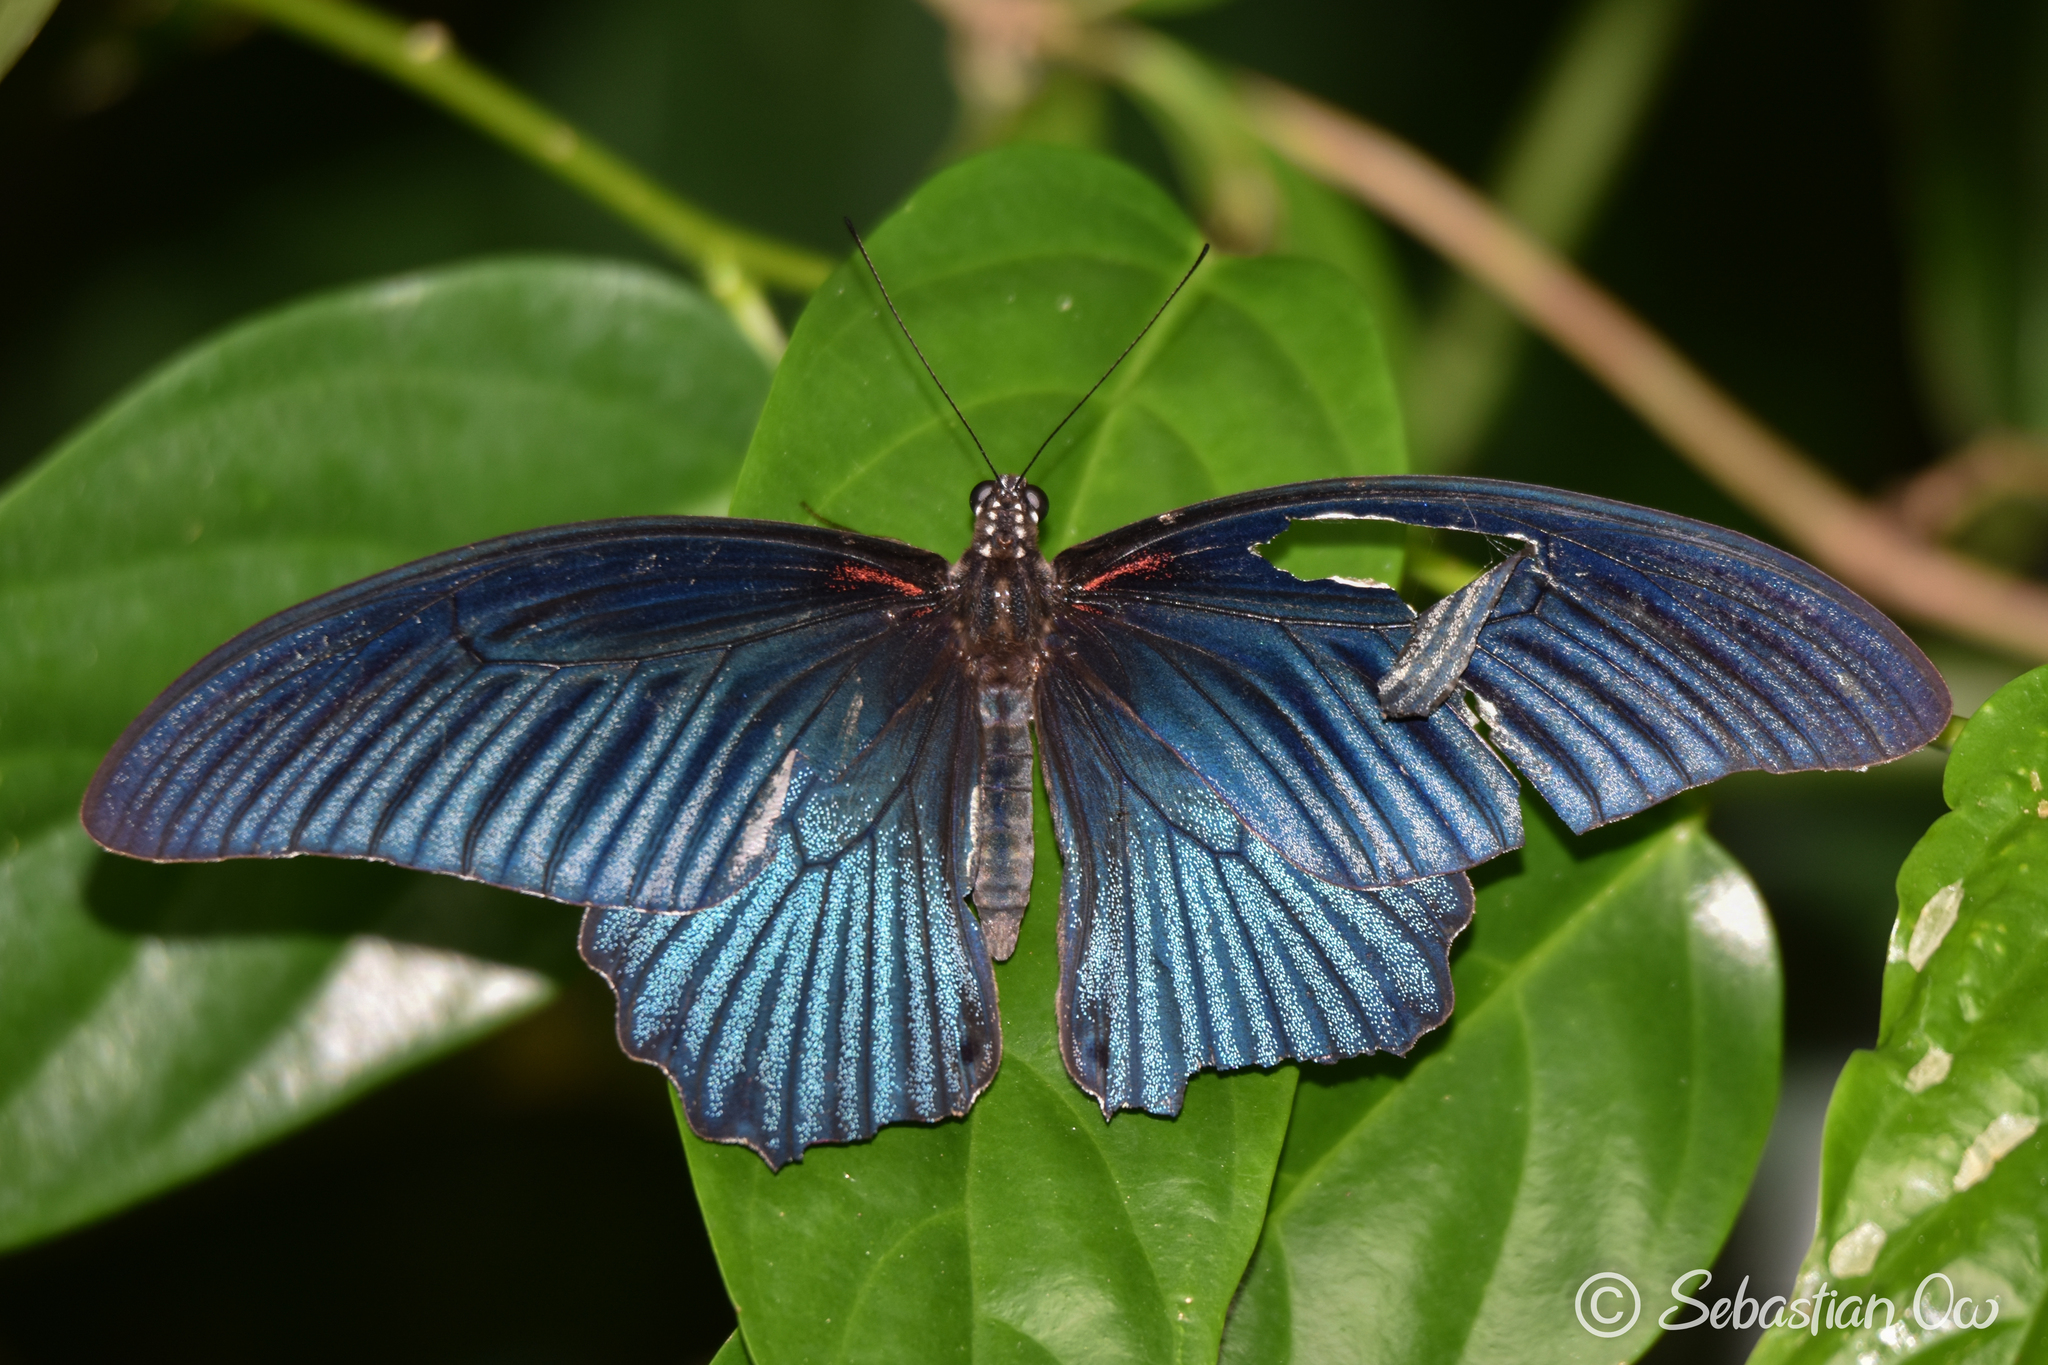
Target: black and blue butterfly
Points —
{"points": [[789, 768]]}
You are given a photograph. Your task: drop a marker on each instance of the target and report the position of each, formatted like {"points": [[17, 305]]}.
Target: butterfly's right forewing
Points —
{"points": [[1623, 656]]}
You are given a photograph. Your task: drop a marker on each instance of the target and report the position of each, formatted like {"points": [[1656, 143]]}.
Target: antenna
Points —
{"points": [[863, 248], [1118, 361]]}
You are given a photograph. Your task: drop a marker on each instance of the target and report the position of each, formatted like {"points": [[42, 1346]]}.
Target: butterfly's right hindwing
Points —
{"points": [[1187, 941]]}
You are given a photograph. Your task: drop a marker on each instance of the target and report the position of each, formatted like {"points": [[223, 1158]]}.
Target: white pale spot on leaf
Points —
{"points": [[427, 42], [1729, 911], [1937, 917], [1855, 1252], [403, 293], [2004, 1133], [381, 999], [379, 1004], [1930, 1070]]}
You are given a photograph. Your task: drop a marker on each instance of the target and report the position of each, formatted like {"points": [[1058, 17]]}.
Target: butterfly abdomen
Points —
{"points": [[1002, 815]]}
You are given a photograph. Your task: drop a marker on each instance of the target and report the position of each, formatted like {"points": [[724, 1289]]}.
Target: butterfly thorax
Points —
{"points": [[1003, 580], [1003, 585]]}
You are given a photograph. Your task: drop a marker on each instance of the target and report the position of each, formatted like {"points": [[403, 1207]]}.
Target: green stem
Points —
{"points": [[20, 21], [1196, 112], [1564, 156], [733, 262]]}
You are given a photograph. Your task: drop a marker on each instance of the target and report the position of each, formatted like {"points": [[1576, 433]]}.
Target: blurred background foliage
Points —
{"points": [[1839, 210]]}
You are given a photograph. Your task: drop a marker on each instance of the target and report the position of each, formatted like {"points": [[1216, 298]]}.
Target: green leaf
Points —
{"points": [[1032, 1228], [157, 1021], [20, 21], [1931, 1162], [1263, 371], [1323, 225], [1971, 81], [1166, 9], [1597, 1103]]}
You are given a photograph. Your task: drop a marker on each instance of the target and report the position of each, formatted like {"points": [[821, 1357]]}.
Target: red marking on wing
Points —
{"points": [[1142, 564], [846, 575]]}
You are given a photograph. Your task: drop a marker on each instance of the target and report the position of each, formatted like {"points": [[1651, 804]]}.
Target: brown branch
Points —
{"points": [[1840, 532], [1941, 498]]}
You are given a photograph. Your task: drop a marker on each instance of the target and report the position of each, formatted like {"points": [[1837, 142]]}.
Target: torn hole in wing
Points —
{"points": [[1423, 564], [1356, 550], [1441, 563]]}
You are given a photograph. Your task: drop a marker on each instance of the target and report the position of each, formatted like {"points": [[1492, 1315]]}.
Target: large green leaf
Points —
{"points": [[1023, 274], [1596, 1104], [1931, 1162], [155, 1021], [1323, 225], [1032, 1229], [1972, 83]]}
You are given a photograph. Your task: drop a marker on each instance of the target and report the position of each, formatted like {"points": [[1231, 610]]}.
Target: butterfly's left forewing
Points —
{"points": [[601, 713]]}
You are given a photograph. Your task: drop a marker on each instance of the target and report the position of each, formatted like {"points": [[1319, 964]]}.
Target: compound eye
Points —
{"points": [[980, 494], [1034, 498]]}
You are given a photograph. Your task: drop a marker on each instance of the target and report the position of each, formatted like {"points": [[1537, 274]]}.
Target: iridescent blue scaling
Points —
{"points": [[780, 764]]}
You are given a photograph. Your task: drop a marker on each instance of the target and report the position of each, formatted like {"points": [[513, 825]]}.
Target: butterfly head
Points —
{"points": [[1007, 511]]}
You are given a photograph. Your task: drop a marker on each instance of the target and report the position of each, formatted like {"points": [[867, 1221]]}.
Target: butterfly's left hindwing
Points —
{"points": [[846, 986]]}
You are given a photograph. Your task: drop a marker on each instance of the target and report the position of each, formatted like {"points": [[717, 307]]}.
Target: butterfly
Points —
{"points": [[789, 768]]}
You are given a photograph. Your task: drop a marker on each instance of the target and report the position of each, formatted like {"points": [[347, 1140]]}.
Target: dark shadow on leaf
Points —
{"points": [[332, 898], [1375, 1065], [1596, 843], [1486, 874], [1582, 848]]}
